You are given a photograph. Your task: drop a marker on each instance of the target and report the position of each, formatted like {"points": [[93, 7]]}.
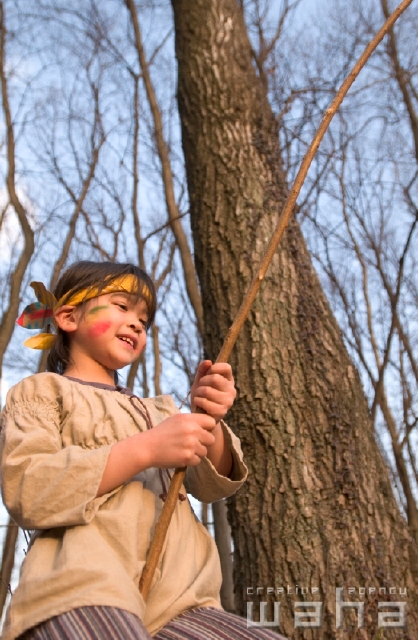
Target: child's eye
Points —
{"points": [[122, 306]]}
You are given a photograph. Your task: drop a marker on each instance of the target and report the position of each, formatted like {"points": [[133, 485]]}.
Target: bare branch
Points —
{"points": [[8, 321], [172, 209]]}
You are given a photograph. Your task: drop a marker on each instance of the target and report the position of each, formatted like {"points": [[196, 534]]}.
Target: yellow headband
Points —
{"points": [[41, 314]]}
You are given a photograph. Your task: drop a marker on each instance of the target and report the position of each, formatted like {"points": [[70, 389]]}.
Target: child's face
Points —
{"points": [[111, 330]]}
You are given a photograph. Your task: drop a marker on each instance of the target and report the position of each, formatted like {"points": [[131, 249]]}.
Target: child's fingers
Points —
{"points": [[214, 381], [181, 440], [195, 445], [215, 392], [202, 370], [223, 369], [216, 408], [214, 402], [218, 375], [206, 439], [207, 369], [213, 409], [204, 421], [213, 389]]}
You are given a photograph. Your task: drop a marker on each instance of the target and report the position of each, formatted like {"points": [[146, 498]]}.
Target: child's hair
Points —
{"points": [[84, 275]]}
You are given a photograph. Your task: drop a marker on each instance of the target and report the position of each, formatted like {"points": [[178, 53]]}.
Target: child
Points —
{"points": [[85, 464]]}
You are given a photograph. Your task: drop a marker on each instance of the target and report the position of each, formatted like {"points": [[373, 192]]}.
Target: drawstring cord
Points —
{"points": [[148, 421]]}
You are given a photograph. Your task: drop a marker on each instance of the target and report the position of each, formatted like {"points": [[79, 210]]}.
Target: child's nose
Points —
{"points": [[135, 324]]}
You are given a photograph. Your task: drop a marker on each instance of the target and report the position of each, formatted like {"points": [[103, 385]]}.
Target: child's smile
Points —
{"points": [[130, 340]]}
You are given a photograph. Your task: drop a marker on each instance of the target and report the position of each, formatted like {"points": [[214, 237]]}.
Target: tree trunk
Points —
{"points": [[318, 511]]}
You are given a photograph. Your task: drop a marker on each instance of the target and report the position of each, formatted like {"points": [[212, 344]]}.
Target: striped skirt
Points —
{"points": [[108, 623]]}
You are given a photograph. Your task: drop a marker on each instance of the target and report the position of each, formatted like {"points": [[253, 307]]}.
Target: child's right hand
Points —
{"points": [[179, 441]]}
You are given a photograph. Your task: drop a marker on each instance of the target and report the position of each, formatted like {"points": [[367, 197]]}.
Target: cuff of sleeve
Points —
{"points": [[239, 470], [206, 484], [92, 507]]}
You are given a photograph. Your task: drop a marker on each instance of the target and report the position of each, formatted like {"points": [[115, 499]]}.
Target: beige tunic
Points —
{"points": [[56, 437]]}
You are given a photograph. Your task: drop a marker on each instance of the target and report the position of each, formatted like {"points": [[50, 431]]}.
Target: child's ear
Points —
{"points": [[67, 318]]}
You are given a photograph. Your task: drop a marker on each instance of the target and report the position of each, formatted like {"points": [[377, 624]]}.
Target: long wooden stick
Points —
{"points": [[232, 335]]}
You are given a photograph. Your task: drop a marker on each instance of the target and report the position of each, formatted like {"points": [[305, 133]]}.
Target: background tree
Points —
{"points": [[359, 212], [301, 414]]}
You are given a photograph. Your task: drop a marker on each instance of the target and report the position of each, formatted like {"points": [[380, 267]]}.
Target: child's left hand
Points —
{"points": [[213, 389]]}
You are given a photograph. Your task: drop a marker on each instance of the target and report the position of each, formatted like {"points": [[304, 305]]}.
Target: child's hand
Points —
{"points": [[179, 441], [213, 389]]}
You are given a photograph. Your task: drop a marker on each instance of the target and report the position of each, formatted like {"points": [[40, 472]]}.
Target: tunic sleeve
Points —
{"points": [[206, 484], [45, 485]]}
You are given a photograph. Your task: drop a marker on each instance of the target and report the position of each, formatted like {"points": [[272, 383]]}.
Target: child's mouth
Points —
{"points": [[129, 341]]}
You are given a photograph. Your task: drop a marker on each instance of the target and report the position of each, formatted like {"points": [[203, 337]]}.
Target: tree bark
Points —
{"points": [[318, 509]]}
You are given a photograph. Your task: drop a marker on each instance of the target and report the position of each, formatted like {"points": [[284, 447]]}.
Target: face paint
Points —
{"points": [[97, 309], [98, 328]]}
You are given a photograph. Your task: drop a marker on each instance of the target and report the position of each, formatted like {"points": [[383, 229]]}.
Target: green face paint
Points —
{"points": [[97, 309]]}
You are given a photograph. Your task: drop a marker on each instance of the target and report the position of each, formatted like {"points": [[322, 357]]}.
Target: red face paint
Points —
{"points": [[98, 328]]}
